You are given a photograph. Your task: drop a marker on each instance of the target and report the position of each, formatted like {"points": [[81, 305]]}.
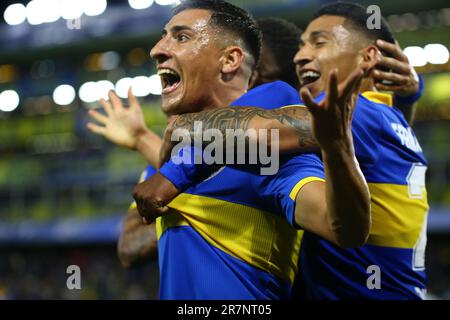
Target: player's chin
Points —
{"points": [[315, 88], [171, 105]]}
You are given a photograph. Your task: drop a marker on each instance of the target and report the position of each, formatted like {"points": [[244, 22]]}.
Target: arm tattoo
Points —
{"points": [[297, 119], [138, 241]]}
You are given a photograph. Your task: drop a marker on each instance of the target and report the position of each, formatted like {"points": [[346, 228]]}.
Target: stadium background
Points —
{"points": [[64, 191]]}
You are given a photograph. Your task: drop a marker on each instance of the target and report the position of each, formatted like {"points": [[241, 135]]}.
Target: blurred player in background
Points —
{"points": [[391, 265]]}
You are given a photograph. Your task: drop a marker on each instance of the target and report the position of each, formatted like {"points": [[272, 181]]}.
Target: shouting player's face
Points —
{"points": [[326, 44], [188, 62]]}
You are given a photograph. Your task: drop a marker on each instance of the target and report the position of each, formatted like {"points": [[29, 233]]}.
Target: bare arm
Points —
{"points": [[137, 242], [294, 125], [339, 209]]}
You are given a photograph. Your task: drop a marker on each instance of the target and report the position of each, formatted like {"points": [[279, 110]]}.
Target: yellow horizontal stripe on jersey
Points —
{"points": [[261, 239], [397, 219], [171, 219], [301, 184], [378, 97]]}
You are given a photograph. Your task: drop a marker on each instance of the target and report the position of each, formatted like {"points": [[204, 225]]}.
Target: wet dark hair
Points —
{"points": [[357, 16], [230, 18], [282, 38]]}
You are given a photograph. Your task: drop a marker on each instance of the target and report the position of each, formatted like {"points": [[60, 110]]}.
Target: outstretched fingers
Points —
{"points": [[98, 117], [106, 106], [132, 100], [115, 101], [308, 100], [351, 85], [96, 128], [333, 91]]}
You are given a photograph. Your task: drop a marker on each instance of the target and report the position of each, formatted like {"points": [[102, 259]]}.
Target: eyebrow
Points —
{"points": [[314, 35], [176, 29]]}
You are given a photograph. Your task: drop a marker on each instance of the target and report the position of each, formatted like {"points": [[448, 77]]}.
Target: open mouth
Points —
{"points": [[170, 80], [308, 77]]}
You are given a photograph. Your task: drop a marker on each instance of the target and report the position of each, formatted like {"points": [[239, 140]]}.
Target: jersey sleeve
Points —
{"points": [[366, 130], [187, 168], [271, 95], [294, 173]]}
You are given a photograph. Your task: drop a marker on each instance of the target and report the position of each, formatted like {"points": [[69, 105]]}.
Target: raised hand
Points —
{"points": [[122, 126], [402, 78], [332, 117]]}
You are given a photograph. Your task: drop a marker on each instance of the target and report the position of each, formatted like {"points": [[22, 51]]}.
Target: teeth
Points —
{"points": [[310, 74], [166, 71]]}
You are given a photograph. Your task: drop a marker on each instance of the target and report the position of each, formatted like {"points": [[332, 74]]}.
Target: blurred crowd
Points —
{"points": [[40, 273]]}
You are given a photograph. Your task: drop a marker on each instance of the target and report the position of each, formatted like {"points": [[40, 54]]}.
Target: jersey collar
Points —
{"points": [[378, 97]]}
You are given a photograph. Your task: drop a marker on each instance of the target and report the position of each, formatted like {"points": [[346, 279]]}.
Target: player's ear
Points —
{"points": [[232, 59], [370, 55]]}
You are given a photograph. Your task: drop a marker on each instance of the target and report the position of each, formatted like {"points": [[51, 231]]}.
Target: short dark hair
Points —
{"points": [[230, 18], [357, 16], [282, 38]]}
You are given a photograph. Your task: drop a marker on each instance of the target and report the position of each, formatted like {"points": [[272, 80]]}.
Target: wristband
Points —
{"points": [[410, 100]]}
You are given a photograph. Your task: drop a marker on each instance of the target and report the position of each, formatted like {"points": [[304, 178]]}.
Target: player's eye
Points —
{"points": [[182, 37], [319, 44]]}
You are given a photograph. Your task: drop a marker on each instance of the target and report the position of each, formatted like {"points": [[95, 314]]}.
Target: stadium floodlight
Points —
{"points": [[141, 86], [167, 2], [416, 56], [437, 53], [64, 95], [49, 10], [103, 87], [88, 92], [71, 9], [94, 7], [94, 91], [155, 85], [15, 14], [122, 87], [140, 4], [42, 11], [35, 15], [9, 100]]}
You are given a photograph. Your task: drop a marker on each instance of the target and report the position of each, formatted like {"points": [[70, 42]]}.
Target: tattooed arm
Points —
{"points": [[137, 240], [293, 123]]}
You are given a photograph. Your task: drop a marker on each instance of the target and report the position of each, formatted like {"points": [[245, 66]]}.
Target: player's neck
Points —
{"points": [[367, 85], [224, 96]]}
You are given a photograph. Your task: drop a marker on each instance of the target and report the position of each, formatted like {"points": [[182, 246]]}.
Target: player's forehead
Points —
{"points": [[196, 20], [326, 25]]}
